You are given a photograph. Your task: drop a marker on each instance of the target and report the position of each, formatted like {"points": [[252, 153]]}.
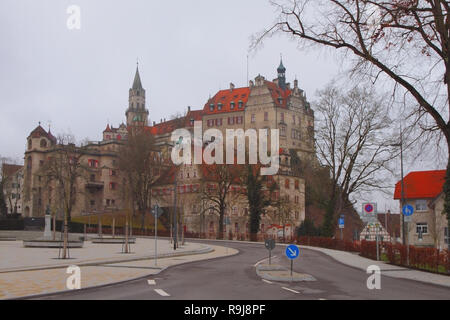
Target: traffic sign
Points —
{"points": [[292, 252], [341, 223], [369, 208], [157, 211], [408, 210], [270, 244]]}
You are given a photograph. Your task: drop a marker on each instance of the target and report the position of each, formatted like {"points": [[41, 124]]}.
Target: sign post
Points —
{"points": [[270, 245], [292, 252], [341, 225], [157, 212], [408, 211]]}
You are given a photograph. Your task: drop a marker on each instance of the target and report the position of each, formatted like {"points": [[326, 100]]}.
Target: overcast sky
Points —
{"points": [[78, 80]]}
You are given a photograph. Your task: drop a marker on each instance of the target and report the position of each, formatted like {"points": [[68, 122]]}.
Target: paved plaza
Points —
{"points": [[31, 271]]}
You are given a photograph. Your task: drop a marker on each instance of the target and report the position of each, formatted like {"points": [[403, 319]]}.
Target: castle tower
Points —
{"points": [[281, 76], [137, 114]]}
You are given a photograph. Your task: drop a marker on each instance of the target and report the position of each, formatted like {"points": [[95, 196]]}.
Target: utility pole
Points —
{"points": [[175, 245], [405, 239]]}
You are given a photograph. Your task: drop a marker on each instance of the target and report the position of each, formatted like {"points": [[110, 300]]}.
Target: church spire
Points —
{"points": [[137, 113], [137, 85]]}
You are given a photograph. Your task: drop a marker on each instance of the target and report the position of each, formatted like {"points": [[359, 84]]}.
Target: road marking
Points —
{"points": [[161, 292], [288, 289], [267, 281], [151, 282], [259, 262], [322, 299]]}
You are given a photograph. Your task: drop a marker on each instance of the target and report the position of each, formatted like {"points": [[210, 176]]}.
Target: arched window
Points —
{"points": [[30, 144], [43, 143]]}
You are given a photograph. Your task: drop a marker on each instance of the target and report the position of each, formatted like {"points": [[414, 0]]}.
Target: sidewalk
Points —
{"points": [[32, 271], [356, 261]]}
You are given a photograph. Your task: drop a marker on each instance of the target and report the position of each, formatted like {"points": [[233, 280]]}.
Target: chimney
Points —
{"points": [[231, 87], [160, 120], [154, 123], [189, 108]]}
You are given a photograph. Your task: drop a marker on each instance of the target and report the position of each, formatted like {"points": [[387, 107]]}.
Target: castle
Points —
{"points": [[262, 104]]}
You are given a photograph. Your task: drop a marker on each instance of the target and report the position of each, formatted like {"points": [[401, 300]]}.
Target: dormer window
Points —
{"points": [[211, 107], [241, 104], [219, 106], [232, 105]]}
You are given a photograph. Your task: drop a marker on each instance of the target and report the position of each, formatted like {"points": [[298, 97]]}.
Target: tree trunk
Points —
{"points": [[126, 234], [66, 237], [220, 235], [446, 190]]}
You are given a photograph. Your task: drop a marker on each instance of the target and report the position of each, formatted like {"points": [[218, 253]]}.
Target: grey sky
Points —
{"points": [[187, 50]]}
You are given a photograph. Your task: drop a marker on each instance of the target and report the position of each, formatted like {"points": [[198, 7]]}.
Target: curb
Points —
{"points": [[261, 271], [206, 249]]}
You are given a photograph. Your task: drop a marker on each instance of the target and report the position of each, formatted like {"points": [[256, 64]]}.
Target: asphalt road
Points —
{"points": [[234, 278]]}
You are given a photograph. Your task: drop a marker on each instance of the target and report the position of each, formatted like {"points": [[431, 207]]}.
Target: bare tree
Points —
{"points": [[64, 170], [141, 164], [217, 189], [404, 41], [352, 141], [283, 213]]}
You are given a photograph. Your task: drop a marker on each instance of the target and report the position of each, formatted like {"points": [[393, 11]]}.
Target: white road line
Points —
{"points": [[267, 281], [288, 289], [259, 262], [161, 292], [151, 282]]}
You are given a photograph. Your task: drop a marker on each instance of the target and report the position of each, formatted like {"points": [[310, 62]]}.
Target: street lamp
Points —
{"points": [[402, 201], [175, 222]]}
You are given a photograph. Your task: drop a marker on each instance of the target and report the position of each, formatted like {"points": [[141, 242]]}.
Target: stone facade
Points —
{"points": [[12, 176]]}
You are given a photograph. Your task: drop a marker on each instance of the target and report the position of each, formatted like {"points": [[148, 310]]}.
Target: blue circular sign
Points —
{"points": [[292, 252], [408, 210]]}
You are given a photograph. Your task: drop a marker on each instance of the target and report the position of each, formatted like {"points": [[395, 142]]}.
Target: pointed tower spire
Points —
{"points": [[281, 75], [137, 85], [137, 113]]}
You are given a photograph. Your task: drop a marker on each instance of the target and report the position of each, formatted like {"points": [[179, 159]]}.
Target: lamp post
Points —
{"points": [[175, 222], [405, 239]]}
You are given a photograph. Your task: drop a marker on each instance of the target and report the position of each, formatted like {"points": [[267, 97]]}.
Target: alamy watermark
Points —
{"points": [[73, 282], [374, 280], [74, 19], [209, 148]]}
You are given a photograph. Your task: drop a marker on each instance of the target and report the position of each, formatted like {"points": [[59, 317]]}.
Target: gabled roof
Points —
{"points": [[40, 132], [277, 93], [421, 185]]}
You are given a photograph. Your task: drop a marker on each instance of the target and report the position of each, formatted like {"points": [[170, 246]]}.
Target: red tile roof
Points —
{"points": [[421, 185], [10, 169], [171, 125], [225, 97], [277, 92]]}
